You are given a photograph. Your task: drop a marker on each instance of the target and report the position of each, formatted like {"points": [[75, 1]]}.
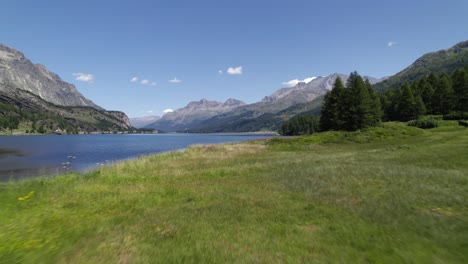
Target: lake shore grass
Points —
{"points": [[391, 194]]}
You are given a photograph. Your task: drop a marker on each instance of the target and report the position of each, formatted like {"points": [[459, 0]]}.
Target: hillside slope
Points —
{"points": [[33, 99], [439, 62]]}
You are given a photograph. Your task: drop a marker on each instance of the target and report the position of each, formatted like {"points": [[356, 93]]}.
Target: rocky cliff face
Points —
{"points": [[33, 89], [17, 72], [193, 114], [121, 118]]}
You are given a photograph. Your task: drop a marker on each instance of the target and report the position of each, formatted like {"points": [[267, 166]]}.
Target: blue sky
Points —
{"points": [[181, 51]]}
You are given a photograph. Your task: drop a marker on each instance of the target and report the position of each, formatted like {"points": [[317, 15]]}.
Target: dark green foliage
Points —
{"points": [[41, 130], [434, 95], [420, 108], [444, 61], [442, 100], [456, 116], [331, 117], [31, 112], [376, 104], [463, 123], [353, 108], [407, 105], [426, 92], [300, 125], [460, 87], [424, 122]]}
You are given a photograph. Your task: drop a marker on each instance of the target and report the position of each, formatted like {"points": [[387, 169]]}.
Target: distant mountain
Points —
{"points": [[267, 114], [193, 114], [440, 61], [33, 98], [263, 122], [141, 122], [307, 92], [20, 73]]}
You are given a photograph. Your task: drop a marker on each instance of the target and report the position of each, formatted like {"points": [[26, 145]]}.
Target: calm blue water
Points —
{"points": [[29, 156]]}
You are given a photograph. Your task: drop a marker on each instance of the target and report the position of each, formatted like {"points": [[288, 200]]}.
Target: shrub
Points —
{"points": [[463, 123], [456, 116], [424, 122]]}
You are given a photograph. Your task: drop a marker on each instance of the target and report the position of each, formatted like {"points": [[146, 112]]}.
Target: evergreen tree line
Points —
{"points": [[300, 125], [445, 95], [357, 106]]}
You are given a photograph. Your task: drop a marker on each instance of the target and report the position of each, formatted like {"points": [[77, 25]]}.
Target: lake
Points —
{"points": [[29, 156]]}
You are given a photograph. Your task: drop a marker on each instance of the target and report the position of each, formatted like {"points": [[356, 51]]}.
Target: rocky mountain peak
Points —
{"points": [[233, 103], [10, 54], [17, 72], [194, 113]]}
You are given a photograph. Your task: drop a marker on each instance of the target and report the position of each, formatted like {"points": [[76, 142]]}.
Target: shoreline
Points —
{"points": [[27, 169]]}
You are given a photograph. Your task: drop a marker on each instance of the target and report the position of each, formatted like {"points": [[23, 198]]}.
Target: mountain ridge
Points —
{"points": [[31, 96], [194, 113], [442, 61], [19, 72], [267, 109]]}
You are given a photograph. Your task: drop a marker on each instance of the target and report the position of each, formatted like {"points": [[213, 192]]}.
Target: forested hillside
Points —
{"points": [[443, 61], [358, 106]]}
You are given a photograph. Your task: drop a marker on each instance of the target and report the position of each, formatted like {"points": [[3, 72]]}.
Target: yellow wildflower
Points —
{"points": [[21, 199]]}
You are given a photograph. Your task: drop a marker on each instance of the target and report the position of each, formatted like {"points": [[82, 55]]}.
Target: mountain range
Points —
{"points": [[194, 114], [306, 97], [267, 114], [33, 97], [142, 122]]}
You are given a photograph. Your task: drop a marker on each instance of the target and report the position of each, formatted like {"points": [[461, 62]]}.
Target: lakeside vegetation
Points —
{"points": [[387, 194], [358, 106], [27, 113]]}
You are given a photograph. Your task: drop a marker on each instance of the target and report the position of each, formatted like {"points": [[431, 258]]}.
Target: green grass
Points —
{"points": [[392, 194]]}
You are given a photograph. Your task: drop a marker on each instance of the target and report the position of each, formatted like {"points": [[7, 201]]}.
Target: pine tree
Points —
{"points": [[442, 100], [427, 92], [377, 111], [407, 104], [331, 116], [300, 125], [460, 88], [433, 79], [420, 108], [360, 113]]}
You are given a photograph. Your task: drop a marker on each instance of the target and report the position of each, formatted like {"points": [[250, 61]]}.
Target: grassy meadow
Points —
{"points": [[391, 194]]}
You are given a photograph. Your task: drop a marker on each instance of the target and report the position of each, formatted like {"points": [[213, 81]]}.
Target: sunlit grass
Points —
{"points": [[390, 195]]}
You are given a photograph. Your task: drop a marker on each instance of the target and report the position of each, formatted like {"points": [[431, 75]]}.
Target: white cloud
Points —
{"points": [[235, 71], [134, 79], [391, 44], [153, 83], [145, 81], [150, 111], [220, 72], [84, 77], [294, 82], [168, 111], [175, 80]]}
